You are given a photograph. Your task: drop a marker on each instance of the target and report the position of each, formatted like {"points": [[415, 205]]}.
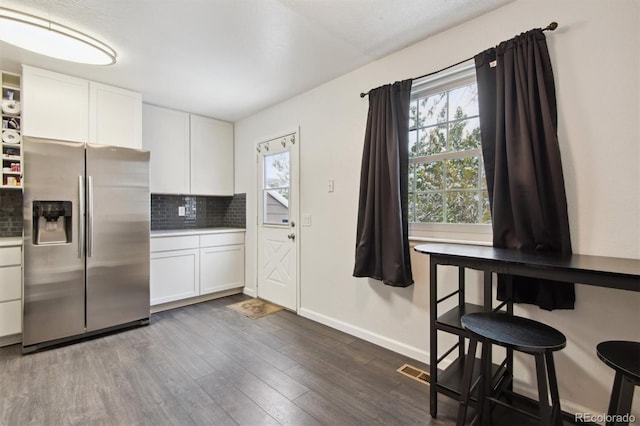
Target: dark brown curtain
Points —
{"points": [[382, 241], [518, 124]]}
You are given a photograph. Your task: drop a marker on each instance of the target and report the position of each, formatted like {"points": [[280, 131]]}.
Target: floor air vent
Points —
{"points": [[415, 373]]}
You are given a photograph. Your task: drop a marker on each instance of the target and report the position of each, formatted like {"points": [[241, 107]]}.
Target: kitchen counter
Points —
{"points": [[195, 231], [10, 241]]}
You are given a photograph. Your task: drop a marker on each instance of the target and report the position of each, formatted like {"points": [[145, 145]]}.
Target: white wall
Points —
{"points": [[595, 55]]}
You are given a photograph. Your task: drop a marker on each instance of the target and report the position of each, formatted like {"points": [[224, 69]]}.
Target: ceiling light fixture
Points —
{"points": [[51, 39]]}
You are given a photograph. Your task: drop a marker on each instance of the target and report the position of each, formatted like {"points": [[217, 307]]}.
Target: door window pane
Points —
{"points": [[275, 194], [276, 170], [276, 206]]}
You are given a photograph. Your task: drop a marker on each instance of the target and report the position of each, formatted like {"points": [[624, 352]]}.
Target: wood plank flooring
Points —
{"points": [[205, 364]]}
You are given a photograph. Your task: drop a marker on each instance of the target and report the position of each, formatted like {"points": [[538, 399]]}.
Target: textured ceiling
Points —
{"points": [[231, 58]]}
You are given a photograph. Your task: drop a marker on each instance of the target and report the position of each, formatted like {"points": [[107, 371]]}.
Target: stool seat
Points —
{"points": [[521, 334], [622, 356]]}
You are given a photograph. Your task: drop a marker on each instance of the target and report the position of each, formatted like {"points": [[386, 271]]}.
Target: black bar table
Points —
{"points": [[611, 272]]}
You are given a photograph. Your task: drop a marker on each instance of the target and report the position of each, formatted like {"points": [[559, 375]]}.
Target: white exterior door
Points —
{"points": [[278, 195]]}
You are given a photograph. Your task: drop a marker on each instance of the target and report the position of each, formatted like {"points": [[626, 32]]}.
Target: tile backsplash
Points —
{"points": [[10, 213], [200, 211]]}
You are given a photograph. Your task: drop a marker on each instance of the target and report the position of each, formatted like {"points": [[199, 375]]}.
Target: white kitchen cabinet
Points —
{"points": [[115, 116], [190, 154], [211, 156], [54, 106], [59, 106], [10, 292], [165, 133], [190, 264], [175, 269], [221, 262]]}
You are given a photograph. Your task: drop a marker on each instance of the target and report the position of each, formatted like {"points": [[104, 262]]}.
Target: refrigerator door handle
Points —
{"points": [[90, 218], [81, 210]]}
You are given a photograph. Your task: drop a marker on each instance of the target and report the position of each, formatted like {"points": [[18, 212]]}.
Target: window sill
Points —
{"points": [[413, 240]]}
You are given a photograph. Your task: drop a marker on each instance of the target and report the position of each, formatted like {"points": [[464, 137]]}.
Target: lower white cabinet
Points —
{"points": [[174, 275], [186, 266], [221, 264], [10, 290]]}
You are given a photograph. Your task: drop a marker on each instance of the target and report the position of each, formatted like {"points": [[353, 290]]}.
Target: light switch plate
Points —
{"points": [[306, 220]]}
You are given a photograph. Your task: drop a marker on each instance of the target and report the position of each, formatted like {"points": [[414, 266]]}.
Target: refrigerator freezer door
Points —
{"points": [[54, 279], [118, 204]]}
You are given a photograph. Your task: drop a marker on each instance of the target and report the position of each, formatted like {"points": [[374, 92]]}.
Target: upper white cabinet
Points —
{"points": [[211, 156], [58, 106], [54, 106], [165, 133], [115, 116], [190, 154]]}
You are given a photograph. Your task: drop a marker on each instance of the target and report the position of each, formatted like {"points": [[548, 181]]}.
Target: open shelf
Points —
{"points": [[11, 152], [450, 380], [450, 320]]}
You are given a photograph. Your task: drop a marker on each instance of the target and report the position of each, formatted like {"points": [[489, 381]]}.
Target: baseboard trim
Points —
{"points": [[192, 300], [11, 339], [385, 342], [250, 292]]}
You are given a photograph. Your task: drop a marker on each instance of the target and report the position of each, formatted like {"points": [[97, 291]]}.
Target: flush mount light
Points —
{"points": [[51, 39]]}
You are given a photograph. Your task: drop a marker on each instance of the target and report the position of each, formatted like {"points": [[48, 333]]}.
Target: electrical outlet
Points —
{"points": [[331, 185], [181, 211]]}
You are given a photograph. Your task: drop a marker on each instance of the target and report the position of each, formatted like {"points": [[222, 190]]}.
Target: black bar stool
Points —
{"points": [[624, 358], [519, 334]]}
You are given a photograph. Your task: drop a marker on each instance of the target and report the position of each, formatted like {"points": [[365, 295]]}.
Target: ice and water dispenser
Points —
{"points": [[51, 222]]}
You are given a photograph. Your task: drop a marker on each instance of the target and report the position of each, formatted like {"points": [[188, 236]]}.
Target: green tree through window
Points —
{"points": [[446, 174]]}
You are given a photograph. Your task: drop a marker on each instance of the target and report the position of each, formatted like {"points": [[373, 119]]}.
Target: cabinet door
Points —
{"points": [[165, 133], [211, 156], [10, 291], [175, 275], [115, 116], [10, 317], [10, 283], [221, 268], [54, 106]]}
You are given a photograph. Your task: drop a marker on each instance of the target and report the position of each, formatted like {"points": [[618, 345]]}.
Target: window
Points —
{"points": [[276, 189], [447, 185]]}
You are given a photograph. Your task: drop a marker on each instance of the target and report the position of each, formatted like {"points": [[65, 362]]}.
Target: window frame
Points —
{"points": [[473, 233]]}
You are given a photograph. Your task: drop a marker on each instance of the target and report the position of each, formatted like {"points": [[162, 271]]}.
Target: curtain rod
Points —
{"points": [[551, 27]]}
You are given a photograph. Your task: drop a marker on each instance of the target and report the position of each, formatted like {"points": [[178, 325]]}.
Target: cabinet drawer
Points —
{"points": [[174, 243], [212, 240], [10, 283], [10, 256], [10, 317]]}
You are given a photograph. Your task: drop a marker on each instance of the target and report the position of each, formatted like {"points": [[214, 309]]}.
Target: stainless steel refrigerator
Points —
{"points": [[86, 240]]}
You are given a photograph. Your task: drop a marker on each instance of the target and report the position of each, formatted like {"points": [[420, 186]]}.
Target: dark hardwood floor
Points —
{"points": [[206, 364]]}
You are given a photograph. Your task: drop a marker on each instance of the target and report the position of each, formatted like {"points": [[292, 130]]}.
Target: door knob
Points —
{"points": [[291, 236]]}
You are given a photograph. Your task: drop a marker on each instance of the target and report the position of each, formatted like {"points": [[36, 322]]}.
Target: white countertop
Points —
{"points": [[196, 231], [10, 241]]}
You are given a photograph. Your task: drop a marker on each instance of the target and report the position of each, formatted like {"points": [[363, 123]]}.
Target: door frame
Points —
{"points": [[294, 156]]}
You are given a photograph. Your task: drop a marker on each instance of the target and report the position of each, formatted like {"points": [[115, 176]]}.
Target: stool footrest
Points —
{"points": [[511, 407]]}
